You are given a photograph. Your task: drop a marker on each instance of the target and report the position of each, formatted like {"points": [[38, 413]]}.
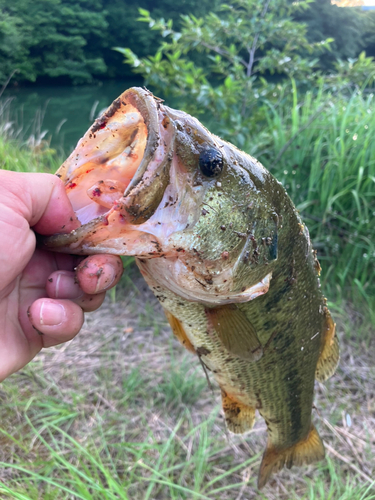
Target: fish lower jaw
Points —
{"points": [[172, 274]]}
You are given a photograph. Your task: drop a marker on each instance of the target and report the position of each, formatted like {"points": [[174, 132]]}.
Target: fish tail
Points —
{"points": [[305, 451]]}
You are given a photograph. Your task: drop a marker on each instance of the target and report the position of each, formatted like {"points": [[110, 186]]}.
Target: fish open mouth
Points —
{"points": [[135, 186], [117, 174]]}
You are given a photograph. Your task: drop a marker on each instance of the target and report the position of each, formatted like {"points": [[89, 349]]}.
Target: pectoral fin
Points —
{"points": [[238, 417], [179, 331], [235, 332], [307, 451], [330, 355]]}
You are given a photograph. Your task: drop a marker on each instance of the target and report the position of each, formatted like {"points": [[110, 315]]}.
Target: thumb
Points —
{"points": [[40, 199]]}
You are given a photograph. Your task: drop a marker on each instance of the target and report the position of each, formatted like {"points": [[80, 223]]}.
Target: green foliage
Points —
{"points": [[344, 25], [352, 30], [368, 32], [237, 49], [52, 38], [353, 73], [72, 40], [124, 30], [321, 149]]}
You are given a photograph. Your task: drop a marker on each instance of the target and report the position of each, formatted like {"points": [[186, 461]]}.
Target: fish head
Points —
{"points": [[150, 181]]}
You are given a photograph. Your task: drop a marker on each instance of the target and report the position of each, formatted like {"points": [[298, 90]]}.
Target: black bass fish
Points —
{"points": [[225, 252]]}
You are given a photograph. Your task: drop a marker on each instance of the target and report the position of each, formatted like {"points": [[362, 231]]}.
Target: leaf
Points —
{"points": [[144, 12], [228, 82]]}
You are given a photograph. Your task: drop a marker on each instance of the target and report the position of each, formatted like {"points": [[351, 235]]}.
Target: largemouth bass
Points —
{"points": [[225, 252]]}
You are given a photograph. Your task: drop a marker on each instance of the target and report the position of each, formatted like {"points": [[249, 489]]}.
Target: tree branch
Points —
{"points": [[252, 50], [255, 42], [222, 52]]}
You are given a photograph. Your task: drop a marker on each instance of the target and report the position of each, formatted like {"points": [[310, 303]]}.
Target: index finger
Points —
{"points": [[98, 273]]}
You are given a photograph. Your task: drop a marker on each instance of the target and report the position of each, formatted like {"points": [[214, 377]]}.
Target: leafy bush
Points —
{"points": [[217, 65]]}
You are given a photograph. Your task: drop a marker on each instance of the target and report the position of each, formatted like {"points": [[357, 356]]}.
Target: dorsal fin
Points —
{"points": [[235, 332]]}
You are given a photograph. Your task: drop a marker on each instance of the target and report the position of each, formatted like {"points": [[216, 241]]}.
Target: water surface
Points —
{"points": [[61, 114]]}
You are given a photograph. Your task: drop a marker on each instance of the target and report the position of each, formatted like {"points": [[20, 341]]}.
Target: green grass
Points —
{"points": [[181, 387], [14, 156], [321, 148], [129, 416], [21, 152]]}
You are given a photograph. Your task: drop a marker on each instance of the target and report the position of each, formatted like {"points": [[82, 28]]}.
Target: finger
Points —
{"points": [[27, 200], [56, 320], [41, 200], [91, 303], [99, 272], [64, 285], [33, 286]]}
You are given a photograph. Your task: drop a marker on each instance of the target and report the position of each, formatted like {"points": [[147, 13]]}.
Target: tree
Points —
{"points": [[368, 32], [125, 30], [219, 62], [72, 40], [52, 38], [344, 25], [13, 52]]}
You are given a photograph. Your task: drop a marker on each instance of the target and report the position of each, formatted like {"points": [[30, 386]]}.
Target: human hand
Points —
{"points": [[42, 299]]}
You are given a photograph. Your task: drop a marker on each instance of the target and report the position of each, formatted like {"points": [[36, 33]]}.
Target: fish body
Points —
{"points": [[225, 252]]}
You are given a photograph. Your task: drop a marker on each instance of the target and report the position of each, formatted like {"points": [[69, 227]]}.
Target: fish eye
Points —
{"points": [[211, 162]]}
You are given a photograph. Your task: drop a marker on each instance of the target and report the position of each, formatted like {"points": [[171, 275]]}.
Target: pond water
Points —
{"points": [[62, 114]]}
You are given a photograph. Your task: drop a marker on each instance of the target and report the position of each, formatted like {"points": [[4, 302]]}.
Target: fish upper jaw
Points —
{"points": [[115, 232]]}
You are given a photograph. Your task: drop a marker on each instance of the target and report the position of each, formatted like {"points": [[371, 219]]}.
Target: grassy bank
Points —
{"points": [[124, 412], [321, 149]]}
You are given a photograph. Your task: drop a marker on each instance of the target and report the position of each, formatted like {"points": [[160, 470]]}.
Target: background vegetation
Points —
{"points": [[121, 412], [72, 40]]}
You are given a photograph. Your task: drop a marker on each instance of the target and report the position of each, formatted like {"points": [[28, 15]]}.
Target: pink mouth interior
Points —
{"points": [[104, 162], [122, 167]]}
